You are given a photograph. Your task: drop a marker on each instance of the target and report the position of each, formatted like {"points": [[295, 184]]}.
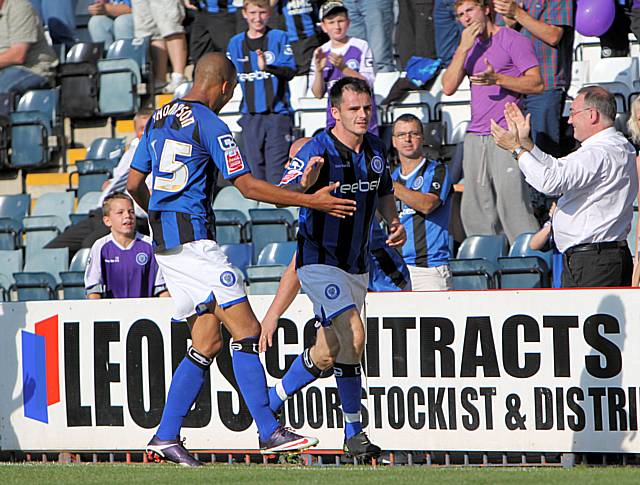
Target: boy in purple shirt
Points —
{"points": [[121, 264], [339, 57], [502, 66]]}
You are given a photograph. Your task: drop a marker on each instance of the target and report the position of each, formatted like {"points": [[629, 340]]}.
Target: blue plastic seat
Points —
{"points": [[106, 148], [10, 263], [269, 226], [231, 198], [230, 226], [88, 202], [523, 272], [119, 79], [33, 125], [10, 233], [92, 174], [134, 49], [489, 247], [472, 274], [55, 203], [277, 253], [264, 279], [73, 285], [85, 52], [41, 276], [15, 206], [39, 231], [239, 255], [52, 261], [520, 247]]}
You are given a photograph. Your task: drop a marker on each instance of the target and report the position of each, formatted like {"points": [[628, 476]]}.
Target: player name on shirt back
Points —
{"points": [[181, 111]]}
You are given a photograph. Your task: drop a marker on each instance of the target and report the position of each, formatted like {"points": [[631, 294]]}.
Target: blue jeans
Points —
{"points": [[372, 20], [60, 18], [546, 111], [105, 29], [17, 79], [447, 30]]}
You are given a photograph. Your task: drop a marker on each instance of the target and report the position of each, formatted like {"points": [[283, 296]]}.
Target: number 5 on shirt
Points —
{"points": [[169, 164]]}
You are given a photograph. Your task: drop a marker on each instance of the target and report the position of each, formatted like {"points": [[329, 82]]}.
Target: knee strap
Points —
{"points": [[248, 345], [313, 369], [347, 370], [199, 359]]}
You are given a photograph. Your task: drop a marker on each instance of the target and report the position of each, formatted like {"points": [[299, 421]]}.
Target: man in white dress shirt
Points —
{"points": [[598, 184]]}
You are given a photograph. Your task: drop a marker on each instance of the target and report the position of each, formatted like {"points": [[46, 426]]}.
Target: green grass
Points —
{"points": [[87, 474]]}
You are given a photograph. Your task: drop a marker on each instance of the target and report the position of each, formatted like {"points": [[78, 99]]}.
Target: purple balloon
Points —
{"points": [[594, 17]]}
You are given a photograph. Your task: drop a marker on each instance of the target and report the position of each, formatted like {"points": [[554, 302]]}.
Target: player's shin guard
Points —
{"points": [[185, 387], [302, 372], [349, 382], [253, 384]]}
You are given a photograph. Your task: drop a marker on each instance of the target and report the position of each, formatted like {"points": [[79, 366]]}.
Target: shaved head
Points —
{"points": [[213, 68], [297, 145]]}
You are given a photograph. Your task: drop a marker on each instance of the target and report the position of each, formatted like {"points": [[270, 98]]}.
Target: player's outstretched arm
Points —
{"points": [[287, 291], [138, 189], [322, 200], [387, 208]]}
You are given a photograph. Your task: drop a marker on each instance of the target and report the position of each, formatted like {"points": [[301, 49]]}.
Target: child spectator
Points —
{"points": [[121, 264], [339, 57], [265, 64], [543, 241]]}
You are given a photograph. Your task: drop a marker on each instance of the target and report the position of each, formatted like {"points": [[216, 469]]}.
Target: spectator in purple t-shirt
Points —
{"points": [[339, 57], [502, 66], [121, 264]]}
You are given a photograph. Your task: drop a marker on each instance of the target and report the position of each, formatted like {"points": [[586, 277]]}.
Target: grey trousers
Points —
{"points": [[495, 198]]}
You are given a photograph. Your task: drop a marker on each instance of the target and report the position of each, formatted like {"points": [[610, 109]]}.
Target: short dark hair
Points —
{"points": [[352, 84], [601, 100], [408, 118]]}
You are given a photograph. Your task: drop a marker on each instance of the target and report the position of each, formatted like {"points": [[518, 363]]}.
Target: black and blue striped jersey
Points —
{"points": [[363, 177], [301, 18], [427, 234], [263, 91], [217, 6], [184, 145]]}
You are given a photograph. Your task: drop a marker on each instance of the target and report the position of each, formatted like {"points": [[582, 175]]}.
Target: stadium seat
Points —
{"points": [[106, 148], [264, 279], [239, 255], [55, 203], [39, 231], [277, 253], [85, 52], [523, 272], [619, 75], [472, 274], [231, 198], [88, 202], [417, 103], [73, 280], [5, 136], [135, 49], [35, 129], [311, 115], [10, 263], [455, 116], [520, 248], [383, 83], [119, 80], [298, 87], [489, 247], [15, 206], [10, 233], [41, 275], [270, 226], [92, 174], [230, 226]]}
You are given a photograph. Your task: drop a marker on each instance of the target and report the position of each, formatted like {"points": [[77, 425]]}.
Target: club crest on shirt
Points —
{"points": [[332, 291], [353, 64], [228, 278], [436, 185], [142, 258], [377, 164], [269, 57], [295, 164], [417, 183]]}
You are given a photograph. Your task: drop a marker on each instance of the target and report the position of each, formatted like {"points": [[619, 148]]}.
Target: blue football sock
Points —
{"points": [[302, 372], [349, 382], [253, 385], [185, 387]]}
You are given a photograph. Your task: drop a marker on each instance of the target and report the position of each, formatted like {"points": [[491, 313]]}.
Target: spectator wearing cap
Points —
{"points": [[122, 264], [110, 20], [341, 56], [372, 20], [26, 60], [597, 185], [502, 65], [162, 21]]}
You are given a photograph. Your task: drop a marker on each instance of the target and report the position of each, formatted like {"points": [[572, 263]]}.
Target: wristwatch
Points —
{"points": [[517, 153]]}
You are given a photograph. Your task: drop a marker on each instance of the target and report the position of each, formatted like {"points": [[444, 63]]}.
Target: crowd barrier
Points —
{"points": [[526, 371]]}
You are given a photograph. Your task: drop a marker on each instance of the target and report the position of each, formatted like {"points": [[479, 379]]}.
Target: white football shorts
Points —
{"points": [[198, 273], [332, 290]]}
